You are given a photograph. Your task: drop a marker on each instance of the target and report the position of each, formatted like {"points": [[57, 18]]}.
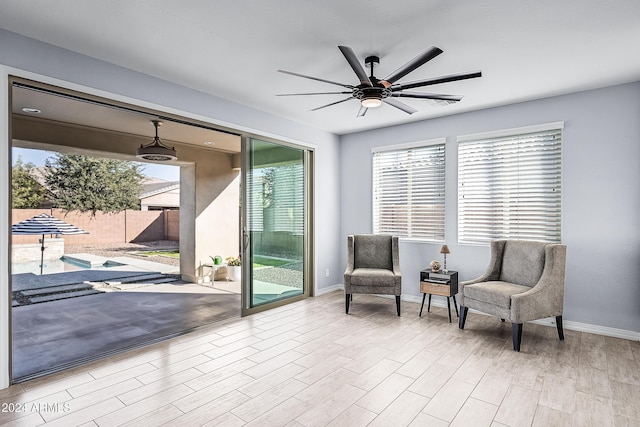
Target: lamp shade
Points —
{"points": [[445, 249]]}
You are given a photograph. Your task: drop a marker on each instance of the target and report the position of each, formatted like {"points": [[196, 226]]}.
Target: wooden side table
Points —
{"points": [[439, 283]]}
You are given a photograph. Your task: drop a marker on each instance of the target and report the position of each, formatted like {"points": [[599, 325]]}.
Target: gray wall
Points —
{"points": [[601, 196], [30, 55]]}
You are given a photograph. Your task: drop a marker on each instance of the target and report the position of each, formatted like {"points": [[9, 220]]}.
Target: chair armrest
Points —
{"points": [[350, 254], [493, 270], [546, 298], [395, 254], [395, 250], [350, 263]]}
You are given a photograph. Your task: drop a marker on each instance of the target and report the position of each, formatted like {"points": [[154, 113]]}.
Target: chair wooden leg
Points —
{"points": [[463, 316], [398, 304], [347, 300], [516, 331], [559, 326]]}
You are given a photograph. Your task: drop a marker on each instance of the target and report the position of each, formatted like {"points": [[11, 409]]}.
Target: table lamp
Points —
{"points": [[445, 250]]}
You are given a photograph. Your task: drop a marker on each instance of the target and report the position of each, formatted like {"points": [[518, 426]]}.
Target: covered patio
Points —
{"points": [[63, 319]]}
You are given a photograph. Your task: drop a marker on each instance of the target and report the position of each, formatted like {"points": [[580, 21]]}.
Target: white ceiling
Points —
{"points": [[232, 48]]}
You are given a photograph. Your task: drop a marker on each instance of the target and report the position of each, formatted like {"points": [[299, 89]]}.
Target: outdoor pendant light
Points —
{"points": [[156, 150]]}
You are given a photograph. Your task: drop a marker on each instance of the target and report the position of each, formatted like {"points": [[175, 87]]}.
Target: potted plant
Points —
{"points": [[234, 264]]}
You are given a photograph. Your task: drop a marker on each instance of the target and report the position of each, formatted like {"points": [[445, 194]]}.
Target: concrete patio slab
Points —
{"points": [[180, 287], [266, 292], [147, 265], [53, 289], [60, 333], [65, 295], [22, 282], [227, 286]]}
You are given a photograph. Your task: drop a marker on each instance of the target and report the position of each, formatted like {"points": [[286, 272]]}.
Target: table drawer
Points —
{"points": [[435, 288]]}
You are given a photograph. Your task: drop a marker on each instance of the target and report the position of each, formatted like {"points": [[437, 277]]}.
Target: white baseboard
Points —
{"points": [[567, 324], [551, 321], [592, 329], [326, 290]]}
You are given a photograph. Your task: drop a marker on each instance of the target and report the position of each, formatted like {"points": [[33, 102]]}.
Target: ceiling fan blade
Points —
{"points": [[416, 62], [362, 111], [333, 103], [443, 97], [352, 59], [400, 105], [314, 93], [316, 78], [437, 80]]}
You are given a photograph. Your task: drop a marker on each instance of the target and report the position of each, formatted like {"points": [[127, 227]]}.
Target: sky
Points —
{"points": [[154, 170]]}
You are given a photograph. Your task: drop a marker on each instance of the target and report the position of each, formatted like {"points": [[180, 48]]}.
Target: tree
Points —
{"points": [[26, 191], [92, 184]]}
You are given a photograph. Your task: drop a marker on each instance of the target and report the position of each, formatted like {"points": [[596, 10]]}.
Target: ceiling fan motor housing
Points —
{"points": [[368, 92]]}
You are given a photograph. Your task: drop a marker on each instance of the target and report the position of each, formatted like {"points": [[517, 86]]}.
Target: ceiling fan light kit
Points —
{"points": [[156, 151], [373, 92], [372, 102]]}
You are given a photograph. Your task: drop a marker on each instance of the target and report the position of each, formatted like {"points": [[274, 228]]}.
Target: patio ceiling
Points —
{"points": [[72, 112]]}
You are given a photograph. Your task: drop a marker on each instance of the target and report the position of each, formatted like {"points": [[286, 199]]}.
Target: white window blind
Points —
{"points": [[509, 186], [408, 192], [255, 204], [289, 198]]}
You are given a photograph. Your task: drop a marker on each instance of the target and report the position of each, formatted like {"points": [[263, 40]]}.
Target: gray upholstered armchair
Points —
{"points": [[373, 267], [524, 281]]}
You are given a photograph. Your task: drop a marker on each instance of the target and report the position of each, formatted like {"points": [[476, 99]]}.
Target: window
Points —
{"points": [[408, 191], [509, 185]]}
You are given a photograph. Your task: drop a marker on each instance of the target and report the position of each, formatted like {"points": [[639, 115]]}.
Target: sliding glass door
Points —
{"points": [[276, 224]]}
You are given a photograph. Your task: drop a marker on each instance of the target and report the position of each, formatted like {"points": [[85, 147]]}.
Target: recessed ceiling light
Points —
{"points": [[209, 143], [31, 110]]}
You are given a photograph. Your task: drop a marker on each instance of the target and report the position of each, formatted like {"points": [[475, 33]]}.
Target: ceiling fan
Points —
{"points": [[372, 92]]}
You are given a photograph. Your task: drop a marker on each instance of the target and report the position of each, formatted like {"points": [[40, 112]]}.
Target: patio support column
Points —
{"points": [[5, 240], [187, 221], [209, 212]]}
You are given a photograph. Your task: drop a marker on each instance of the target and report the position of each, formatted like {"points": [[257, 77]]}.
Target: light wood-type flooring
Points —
{"points": [[309, 364]]}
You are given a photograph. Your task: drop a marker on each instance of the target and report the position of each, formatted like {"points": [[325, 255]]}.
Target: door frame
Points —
{"points": [[309, 209]]}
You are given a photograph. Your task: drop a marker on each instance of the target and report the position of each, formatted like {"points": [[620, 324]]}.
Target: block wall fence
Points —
{"points": [[105, 228]]}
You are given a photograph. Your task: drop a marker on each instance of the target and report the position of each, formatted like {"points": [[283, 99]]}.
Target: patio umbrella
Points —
{"points": [[45, 224]]}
